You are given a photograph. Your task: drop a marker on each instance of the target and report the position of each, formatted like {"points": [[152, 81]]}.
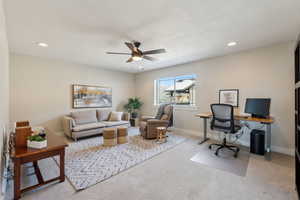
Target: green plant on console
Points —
{"points": [[36, 138], [133, 106]]}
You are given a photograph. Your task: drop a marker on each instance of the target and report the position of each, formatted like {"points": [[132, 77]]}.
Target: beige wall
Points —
{"points": [[4, 81], [263, 72], [40, 88]]}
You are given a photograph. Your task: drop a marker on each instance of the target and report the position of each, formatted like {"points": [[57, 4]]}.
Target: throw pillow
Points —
{"points": [[115, 116], [103, 115], [164, 117]]}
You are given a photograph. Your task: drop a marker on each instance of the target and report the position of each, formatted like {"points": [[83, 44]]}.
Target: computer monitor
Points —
{"points": [[258, 107]]}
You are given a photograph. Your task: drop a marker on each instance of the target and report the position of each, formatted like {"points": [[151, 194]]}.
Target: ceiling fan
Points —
{"points": [[137, 54]]}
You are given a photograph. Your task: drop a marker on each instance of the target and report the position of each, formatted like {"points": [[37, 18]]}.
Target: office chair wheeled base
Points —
{"points": [[235, 149]]}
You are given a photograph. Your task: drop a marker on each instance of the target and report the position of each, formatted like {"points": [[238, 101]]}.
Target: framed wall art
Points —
{"points": [[229, 96], [86, 96]]}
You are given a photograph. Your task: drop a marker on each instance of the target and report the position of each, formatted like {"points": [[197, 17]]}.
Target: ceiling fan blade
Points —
{"points": [[129, 45], [156, 51], [118, 53], [129, 60], [149, 58]]}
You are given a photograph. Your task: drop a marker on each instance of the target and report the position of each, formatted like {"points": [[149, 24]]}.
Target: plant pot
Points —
{"points": [[134, 115], [37, 145], [132, 122]]}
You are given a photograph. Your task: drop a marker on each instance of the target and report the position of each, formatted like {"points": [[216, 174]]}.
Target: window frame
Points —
{"points": [[174, 78]]}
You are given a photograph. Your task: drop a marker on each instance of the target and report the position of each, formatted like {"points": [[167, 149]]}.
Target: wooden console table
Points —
{"points": [[20, 155]]}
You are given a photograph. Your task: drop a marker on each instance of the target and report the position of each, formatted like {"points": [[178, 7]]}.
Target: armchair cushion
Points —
{"points": [[164, 117], [168, 109], [157, 122], [160, 111], [146, 118]]}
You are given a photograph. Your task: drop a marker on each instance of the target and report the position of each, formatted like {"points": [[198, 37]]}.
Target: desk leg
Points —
{"points": [[268, 139], [62, 165], [17, 179], [205, 138]]}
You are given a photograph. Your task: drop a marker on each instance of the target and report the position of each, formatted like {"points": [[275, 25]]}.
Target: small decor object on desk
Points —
{"points": [[22, 123], [21, 134], [161, 135], [36, 141], [38, 130], [229, 96]]}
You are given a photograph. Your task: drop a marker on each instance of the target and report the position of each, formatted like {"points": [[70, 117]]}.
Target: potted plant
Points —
{"points": [[36, 141], [133, 106]]}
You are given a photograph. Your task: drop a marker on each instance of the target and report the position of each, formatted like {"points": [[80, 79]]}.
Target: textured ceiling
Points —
{"points": [[81, 31]]}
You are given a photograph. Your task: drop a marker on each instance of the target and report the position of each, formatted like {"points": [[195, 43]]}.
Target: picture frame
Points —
{"points": [[90, 96], [229, 96]]}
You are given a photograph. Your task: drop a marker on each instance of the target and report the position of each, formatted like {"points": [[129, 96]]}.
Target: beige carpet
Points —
{"points": [[224, 161], [88, 162], [173, 176]]}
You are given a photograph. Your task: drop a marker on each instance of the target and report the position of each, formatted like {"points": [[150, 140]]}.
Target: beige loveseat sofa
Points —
{"points": [[91, 122]]}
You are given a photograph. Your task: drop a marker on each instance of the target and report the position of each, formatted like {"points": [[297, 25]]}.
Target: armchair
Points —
{"points": [[163, 118]]}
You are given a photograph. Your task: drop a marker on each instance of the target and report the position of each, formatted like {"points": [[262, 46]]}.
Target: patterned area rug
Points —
{"points": [[88, 162]]}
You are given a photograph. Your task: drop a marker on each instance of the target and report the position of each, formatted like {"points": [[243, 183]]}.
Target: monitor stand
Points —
{"points": [[259, 116]]}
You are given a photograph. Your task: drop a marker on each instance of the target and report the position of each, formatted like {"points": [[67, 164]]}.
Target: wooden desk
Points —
{"points": [[21, 155], [268, 122]]}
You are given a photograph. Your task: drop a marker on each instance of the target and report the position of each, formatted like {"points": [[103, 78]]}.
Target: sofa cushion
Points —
{"points": [[89, 126], [103, 115], [115, 123], [115, 116], [84, 117]]}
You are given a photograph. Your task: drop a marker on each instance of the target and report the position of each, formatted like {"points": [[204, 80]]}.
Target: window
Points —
{"points": [[179, 90]]}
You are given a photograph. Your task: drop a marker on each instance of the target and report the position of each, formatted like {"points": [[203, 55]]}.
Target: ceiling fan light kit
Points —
{"points": [[137, 54], [136, 58]]}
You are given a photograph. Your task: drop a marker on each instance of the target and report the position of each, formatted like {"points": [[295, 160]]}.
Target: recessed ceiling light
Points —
{"points": [[42, 44], [230, 44]]}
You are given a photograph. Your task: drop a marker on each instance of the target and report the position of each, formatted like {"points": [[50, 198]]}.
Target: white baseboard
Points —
{"points": [[193, 133]]}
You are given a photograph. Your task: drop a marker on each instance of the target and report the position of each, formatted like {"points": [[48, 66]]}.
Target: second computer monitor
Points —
{"points": [[258, 107]]}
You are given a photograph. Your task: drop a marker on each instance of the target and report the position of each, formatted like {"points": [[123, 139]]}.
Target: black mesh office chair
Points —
{"points": [[223, 121]]}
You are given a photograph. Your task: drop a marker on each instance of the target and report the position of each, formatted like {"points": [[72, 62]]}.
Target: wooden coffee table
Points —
{"points": [[21, 155]]}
